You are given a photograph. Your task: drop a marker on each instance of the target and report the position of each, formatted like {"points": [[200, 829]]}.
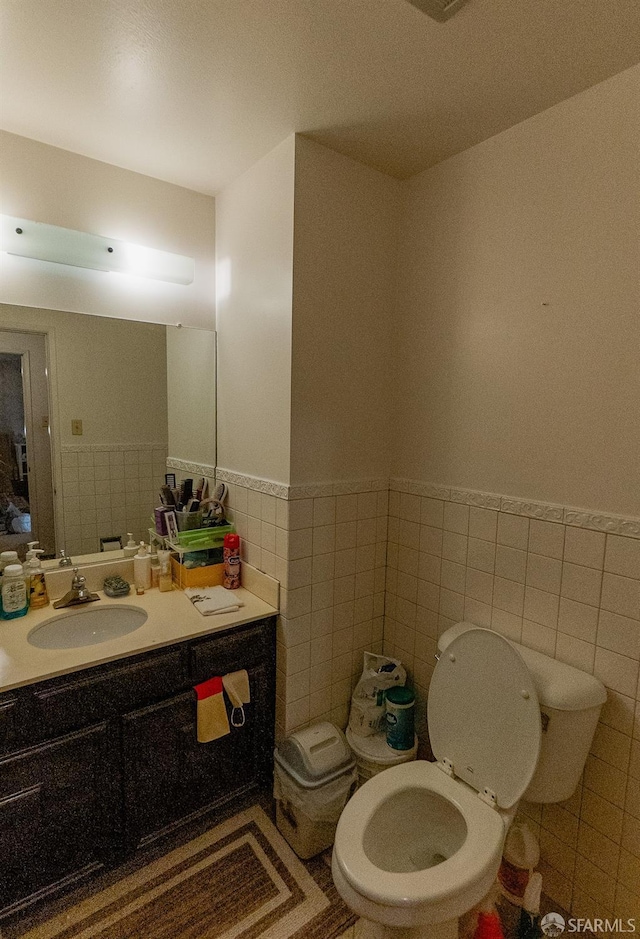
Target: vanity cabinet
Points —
{"points": [[54, 802], [168, 775], [96, 764]]}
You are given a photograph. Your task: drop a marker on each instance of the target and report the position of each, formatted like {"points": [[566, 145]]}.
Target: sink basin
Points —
{"points": [[87, 626]]}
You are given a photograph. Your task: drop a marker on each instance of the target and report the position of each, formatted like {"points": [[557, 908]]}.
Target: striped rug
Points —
{"points": [[239, 880]]}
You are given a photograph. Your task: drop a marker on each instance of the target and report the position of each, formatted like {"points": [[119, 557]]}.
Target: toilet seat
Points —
{"points": [[484, 715], [473, 863]]}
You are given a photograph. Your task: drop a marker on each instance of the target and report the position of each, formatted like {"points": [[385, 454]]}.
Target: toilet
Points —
{"points": [[420, 844]]}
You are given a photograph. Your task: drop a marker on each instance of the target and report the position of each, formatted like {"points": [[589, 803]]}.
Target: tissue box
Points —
{"points": [[209, 576]]}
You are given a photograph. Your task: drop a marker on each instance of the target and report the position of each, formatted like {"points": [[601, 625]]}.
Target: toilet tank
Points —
{"points": [[570, 704]]}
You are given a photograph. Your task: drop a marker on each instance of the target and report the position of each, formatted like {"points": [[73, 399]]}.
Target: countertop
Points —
{"points": [[171, 618]]}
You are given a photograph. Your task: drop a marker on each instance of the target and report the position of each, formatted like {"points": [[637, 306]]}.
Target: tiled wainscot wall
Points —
{"points": [[109, 490], [566, 583], [327, 547]]}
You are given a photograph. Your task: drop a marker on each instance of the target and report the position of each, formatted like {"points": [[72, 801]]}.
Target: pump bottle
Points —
{"points": [[131, 547], [38, 595], [142, 569]]}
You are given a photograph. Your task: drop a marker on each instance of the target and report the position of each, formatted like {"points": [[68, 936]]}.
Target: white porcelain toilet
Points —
{"points": [[420, 844]]}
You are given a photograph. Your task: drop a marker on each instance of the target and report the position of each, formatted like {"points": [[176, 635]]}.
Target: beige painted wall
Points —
{"points": [[346, 218], [516, 365], [50, 185], [254, 261]]}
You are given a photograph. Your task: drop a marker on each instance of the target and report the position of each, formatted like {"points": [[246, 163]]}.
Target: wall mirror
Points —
{"points": [[91, 410]]}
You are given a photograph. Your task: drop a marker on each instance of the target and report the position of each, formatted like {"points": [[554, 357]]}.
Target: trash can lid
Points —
{"points": [[400, 695], [315, 753], [375, 749]]}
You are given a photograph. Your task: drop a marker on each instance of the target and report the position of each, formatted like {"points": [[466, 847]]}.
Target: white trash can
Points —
{"points": [[373, 754], [314, 776]]}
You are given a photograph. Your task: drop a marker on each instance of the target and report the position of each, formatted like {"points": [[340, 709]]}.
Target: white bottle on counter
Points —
{"points": [[131, 548], [142, 568], [15, 599]]}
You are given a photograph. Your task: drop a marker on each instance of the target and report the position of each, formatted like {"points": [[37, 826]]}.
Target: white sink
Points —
{"points": [[87, 626]]}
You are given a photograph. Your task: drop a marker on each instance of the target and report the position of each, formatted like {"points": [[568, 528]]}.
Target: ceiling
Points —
{"points": [[195, 91]]}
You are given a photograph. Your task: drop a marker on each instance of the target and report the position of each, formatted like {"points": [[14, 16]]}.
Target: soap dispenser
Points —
{"points": [[38, 596], [131, 548], [142, 569]]}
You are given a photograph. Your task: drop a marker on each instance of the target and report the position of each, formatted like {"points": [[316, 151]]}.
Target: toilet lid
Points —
{"points": [[484, 715]]}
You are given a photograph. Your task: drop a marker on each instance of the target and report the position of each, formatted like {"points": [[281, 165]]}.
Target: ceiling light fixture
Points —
{"points": [[43, 242]]}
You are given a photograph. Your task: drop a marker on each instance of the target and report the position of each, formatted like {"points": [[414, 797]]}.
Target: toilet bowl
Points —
{"points": [[422, 848], [420, 844]]}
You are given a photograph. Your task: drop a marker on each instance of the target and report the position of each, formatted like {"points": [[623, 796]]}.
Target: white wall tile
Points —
{"points": [[432, 512], [513, 531], [479, 585], [481, 555], [454, 547], [545, 573], [578, 619], [621, 595], [619, 634], [584, 547], [623, 556], [483, 524], [611, 746], [541, 607], [300, 514], [581, 583], [456, 517], [539, 637], [453, 576], [324, 511], [431, 540], [616, 671], [410, 508], [508, 596], [546, 538], [511, 563]]}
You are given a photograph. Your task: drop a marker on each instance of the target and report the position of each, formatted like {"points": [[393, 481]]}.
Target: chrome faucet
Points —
{"points": [[77, 594], [65, 560]]}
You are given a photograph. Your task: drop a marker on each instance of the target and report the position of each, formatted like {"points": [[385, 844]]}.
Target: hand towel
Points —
{"points": [[211, 600], [212, 721], [236, 684]]}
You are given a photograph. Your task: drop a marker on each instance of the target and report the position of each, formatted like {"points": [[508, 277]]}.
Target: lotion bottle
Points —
{"points": [[142, 568]]}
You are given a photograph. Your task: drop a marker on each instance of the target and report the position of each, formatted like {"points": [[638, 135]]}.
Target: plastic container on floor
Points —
{"points": [[314, 776], [373, 754]]}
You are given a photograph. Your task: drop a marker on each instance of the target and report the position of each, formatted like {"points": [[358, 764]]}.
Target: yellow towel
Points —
{"points": [[212, 721], [236, 684]]}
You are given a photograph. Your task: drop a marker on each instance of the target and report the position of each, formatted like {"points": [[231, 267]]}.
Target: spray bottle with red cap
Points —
{"points": [[231, 556]]}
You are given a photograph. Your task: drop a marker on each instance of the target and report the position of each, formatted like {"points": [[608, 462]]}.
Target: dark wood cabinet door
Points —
{"points": [[169, 776], [54, 807]]}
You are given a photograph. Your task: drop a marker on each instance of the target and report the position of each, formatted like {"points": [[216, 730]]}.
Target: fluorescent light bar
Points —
{"points": [[79, 249]]}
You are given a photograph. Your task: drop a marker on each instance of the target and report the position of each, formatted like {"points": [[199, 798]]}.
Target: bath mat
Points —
{"points": [[239, 880]]}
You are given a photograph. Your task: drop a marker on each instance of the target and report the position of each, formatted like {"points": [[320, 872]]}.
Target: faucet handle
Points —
{"points": [[65, 560], [78, 579]]}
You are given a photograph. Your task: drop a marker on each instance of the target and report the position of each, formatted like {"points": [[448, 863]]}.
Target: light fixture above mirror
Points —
{"points": [[44, 242]]}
